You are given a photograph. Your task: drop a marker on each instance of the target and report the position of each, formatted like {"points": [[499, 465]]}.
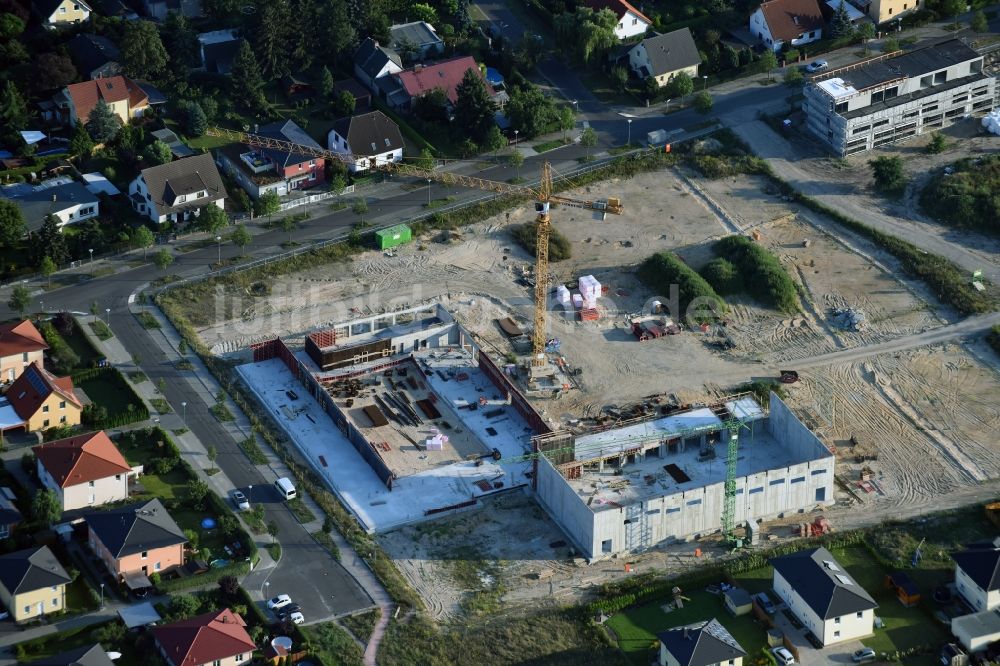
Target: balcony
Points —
{"points": [[257, 162]]}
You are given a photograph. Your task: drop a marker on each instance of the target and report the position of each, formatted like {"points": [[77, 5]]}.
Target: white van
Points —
{"points": [[285, 488]]}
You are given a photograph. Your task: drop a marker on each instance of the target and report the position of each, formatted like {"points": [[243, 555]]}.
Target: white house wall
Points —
{"points": [[566, 507], [975, 596], [630, 25]]}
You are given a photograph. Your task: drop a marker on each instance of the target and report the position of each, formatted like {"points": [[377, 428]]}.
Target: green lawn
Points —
{"points": [[78, 596], [81, 346], [111, 393], [636, 628], [333, 644], [190, 519]]}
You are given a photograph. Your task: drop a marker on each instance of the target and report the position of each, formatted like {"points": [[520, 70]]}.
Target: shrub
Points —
{"points": [[966, 198], [760, 272], [526, 236], [722, 275], [993, 338], [665, 272]]}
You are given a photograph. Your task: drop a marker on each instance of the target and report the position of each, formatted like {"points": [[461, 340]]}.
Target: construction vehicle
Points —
{"points": [[542, 194]]}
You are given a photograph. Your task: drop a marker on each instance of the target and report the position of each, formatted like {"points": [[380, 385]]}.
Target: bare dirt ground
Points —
{"points": [[928, 412]]}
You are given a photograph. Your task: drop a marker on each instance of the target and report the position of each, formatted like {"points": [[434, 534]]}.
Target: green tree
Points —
{"points": [[474, 111], [212, 219], [183, 605], [679, 86], [420, 11], [425, 160], [45, 507], [247, 81], [619, 77], [730, 57], [792, 55], [181, 42], [864, 33], [144, 238], [768, 61], [532, 111], [102, 123], [163, 259], [516, 159], [80, 144], [326, 83], [890, 178], [343, 104], [588, 139], [195, 121], [157, 153], [890, 44], [587, 35], [196, 491], [47, 267], [288, 225], [13, 113], [272, 37], [49, 240], [268, 204], [241, 237], [937, 143], [12, 226], [840, 24], [11, 26], [142, 52], [950, 8], [793, 77], [703, 102], [19, 300], [979, 22], [493, 141]]}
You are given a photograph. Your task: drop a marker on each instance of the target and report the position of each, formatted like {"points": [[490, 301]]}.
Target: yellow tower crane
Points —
{"points": [[542, 195]]}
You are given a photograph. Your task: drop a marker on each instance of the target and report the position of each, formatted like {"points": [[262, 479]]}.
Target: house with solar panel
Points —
{"points": [[823, 596], [705, 643], [38, 400]]}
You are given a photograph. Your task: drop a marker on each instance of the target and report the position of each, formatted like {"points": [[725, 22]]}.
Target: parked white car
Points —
{"points": [[241, 501], [783, 656], [297, 618], [817, 65], [279, 601]]}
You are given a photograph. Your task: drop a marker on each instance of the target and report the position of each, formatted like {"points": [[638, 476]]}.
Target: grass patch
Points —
{"points": [[179, 431], [221, 412], [147, 320], [103, 271], [636, 628], [966, 198], [80, 596], [324, 539], [333, 645], [274, 550], [184, 364], [628, 147], [697, 300], [101, 330], [301, 511], [253, 450], [439, 203], [526, 236], [115, 402], [137, 376], [363, 624], [551, 145], [211, 540], [160, 405]]}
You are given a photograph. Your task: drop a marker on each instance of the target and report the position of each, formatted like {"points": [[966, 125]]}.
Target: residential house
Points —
{"points": [[10, 517], [705, 643], [415, 41], [84, 470], [126, 99], [65, 199], [158, 9], [20, 345], [362, 96], [883, 11], [259, 170], [61, 13], [823, 596], [737, 601], [136, 540], [88, 655], [41, 400], [372, 62], [665, 56], [445, 75], [883, 100], [854, 15], [178, 190], [95, 57], [369, 137], [217, 638], [781, 23], [217, 49], [977, 576], [32, 583], [976, 631], [631, 22]]}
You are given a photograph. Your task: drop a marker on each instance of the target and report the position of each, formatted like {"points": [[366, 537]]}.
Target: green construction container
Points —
{"points": [[393, 236]]}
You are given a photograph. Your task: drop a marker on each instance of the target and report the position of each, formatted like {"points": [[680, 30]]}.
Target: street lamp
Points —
{"points": [[629, 142], [704, 80], [102, 596], [91, 250], [107, 316], [516, 132], [184, 410], [428, 192], [218, 239], [250, 493]]}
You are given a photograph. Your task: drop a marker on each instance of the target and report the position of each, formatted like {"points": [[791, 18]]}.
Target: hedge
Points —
{"points": [[967, 196], [213, 575], [761, 274], [993, 338], [665, 271], [526, 236]]}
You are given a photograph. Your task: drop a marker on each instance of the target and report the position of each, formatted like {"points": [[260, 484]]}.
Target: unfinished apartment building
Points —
{"points": [[885, 99], [629, 488]]}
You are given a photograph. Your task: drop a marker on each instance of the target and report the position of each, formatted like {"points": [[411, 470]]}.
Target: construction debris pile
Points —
{"points": [[848, 319]]}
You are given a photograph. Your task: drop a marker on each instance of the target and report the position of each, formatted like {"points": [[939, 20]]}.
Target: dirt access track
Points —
{"points": [[937, 404]]}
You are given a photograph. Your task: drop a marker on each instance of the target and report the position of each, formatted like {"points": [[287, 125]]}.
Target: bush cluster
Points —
{"points": [[662, 271], [756, 271], [526, 236], [968, 197]]}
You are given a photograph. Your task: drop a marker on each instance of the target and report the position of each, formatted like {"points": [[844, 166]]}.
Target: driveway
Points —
{"points": [[834, 654]]}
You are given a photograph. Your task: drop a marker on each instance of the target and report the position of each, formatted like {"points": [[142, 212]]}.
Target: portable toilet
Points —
{"points": [[393, 236]]}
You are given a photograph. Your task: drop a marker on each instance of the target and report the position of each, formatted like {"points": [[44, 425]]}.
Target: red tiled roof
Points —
{"points": [[35, 384], [20, 337], [787, 19], [80, 459], [112, 89], [446, 75], [619, 7], [205, 638]]}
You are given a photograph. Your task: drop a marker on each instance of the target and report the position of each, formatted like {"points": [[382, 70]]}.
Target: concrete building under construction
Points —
{"points": [[654, 481]]}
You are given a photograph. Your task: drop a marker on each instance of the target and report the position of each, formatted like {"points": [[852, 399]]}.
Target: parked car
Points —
{"points": [[240, 500], [783, 656], [765, 603], [297, 618], [288, 610], [279, 601], [862, 656], [817, 65]]}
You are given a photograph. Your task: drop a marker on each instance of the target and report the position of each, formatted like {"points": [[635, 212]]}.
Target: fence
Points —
{"points": [[313, 198]]}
